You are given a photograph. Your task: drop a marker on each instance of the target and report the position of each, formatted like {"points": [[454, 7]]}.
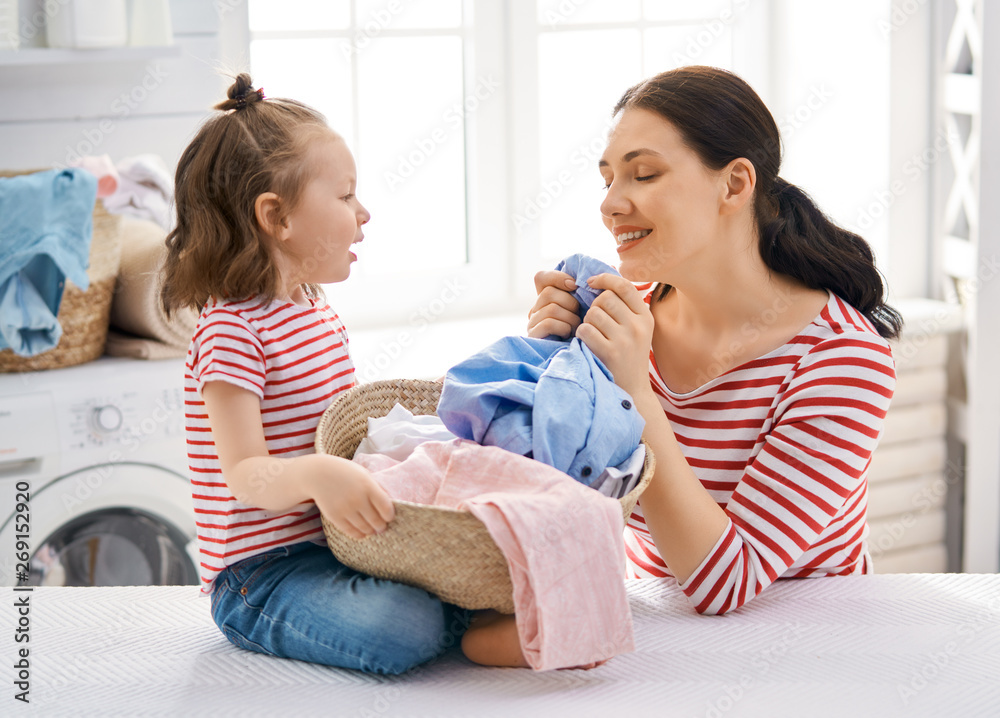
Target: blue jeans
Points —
{"points": [[301, 602]]}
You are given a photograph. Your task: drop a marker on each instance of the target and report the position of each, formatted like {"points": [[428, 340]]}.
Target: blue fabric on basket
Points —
{"points": [[46, 226]]}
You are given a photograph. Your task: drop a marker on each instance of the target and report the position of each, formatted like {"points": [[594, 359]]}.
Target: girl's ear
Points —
{"points": [[267, 208], [739, 179]]}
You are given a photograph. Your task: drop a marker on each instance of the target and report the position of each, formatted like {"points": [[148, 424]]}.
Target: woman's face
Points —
{"points": [[662, 203]]}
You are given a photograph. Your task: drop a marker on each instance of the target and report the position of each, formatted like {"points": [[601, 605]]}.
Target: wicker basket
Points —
{"points": [[445, 551], [83, 315]]}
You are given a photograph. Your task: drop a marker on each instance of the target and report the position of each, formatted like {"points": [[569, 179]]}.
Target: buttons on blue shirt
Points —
{"points": [[586, 471], [626, 404]]}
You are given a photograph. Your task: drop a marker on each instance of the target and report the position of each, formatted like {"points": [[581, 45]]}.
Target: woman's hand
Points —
{"points": [[619, 330], [554, 312], [350, 498]]}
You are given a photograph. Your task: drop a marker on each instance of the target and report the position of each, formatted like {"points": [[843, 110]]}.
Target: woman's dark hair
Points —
{"points": [[253, 145], [721, 118]]}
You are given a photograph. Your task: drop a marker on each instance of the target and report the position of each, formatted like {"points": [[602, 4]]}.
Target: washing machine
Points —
{"points": [[93, 476]]}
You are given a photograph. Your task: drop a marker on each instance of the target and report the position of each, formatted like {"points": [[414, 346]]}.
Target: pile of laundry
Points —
{"points": [[46, 233], [534, 438]]}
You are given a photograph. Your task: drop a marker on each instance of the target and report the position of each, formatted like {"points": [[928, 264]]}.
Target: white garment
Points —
{"points": [[399, 432], [145, 189], [616, 481]]}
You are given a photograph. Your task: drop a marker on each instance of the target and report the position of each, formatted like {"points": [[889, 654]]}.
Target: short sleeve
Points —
{"points": [[226, 348]]}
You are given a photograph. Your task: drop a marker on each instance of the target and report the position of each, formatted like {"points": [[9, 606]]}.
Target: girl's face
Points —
{"points": [[662, 202], [326, 221]]}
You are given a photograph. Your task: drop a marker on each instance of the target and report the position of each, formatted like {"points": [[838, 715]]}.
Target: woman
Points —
{"points": [[757, 354]]}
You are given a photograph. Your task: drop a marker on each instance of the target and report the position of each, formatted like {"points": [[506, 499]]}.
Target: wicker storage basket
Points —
{"points": [[83, 315], [447, 552]]}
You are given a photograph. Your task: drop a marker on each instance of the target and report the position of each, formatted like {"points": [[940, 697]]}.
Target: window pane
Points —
{"points": [[373, 16], [273, 16], [689, 9], [578, 88], [315, 72], [563, 12], [411, 153], [669, 47]]}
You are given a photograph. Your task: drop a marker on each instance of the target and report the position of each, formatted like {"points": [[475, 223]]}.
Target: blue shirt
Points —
{"points": [[546, 398]]}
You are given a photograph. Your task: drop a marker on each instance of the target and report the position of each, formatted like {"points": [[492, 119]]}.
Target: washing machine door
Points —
{"points": [[122, 524], [113, 547]]}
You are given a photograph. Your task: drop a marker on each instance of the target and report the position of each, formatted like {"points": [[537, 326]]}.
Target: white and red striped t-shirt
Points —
{"points": [[296, 360], [783, 444]]}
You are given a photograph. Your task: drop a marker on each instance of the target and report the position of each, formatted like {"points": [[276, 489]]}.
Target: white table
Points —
{"points": [[913, 645]]}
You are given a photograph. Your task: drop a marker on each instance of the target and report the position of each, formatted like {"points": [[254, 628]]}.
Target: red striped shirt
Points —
{"points": [[296, 360], [783, 444]]}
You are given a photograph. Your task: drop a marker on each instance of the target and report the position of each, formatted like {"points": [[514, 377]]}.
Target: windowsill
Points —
{"points": [[428, 350]]}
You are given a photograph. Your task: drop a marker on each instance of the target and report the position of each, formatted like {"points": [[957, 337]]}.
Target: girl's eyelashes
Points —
{"points": [[348, 197]]}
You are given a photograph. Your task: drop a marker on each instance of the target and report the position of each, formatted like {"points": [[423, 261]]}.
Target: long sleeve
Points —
{"points": [[789, 471]]}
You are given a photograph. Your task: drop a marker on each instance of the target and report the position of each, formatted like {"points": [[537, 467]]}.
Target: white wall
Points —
{"points": [[51, 112]]}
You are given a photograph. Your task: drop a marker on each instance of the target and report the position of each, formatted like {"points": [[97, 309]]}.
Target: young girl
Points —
{"points": [[266, 211], [757, 355]]}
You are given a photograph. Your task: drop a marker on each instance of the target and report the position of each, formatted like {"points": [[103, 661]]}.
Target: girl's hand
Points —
{"points": [[351, 499], [554, 312], [619, 330]]}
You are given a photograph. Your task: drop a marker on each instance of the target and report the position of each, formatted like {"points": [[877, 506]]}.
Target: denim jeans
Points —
{"points": [[301, 602]]}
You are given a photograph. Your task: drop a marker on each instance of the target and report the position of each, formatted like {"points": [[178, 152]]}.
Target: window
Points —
{"points": [[477, 126]]}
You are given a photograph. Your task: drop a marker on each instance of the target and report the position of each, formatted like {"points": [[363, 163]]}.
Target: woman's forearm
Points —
{"points": [[683, 518]]}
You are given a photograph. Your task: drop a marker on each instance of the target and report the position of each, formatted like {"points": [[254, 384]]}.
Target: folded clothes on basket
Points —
{"points": [[46, 226], [139, 326]]}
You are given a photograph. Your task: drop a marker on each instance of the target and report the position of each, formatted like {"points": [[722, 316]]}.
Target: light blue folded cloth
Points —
{"points": [[46, 224]]}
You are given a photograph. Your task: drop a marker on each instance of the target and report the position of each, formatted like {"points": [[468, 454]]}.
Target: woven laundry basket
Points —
{"points": [[445, 551], [83, 315]]}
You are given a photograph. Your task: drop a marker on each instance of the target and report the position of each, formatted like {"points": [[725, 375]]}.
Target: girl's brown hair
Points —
{"points": [[252, 146], [721, 119]]}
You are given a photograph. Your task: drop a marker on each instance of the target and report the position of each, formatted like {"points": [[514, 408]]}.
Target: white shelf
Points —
{"points": [[64, 56]]}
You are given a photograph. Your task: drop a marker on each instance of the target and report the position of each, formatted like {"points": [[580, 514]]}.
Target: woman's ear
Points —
{"points": [[739, 179], [267, 208]]}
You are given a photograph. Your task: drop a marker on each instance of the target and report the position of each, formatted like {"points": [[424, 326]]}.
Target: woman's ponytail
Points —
{"points": [[800, 241]]}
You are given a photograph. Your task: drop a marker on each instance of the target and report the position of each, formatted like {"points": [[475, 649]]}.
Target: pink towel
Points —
{"points": [[562, 540]]}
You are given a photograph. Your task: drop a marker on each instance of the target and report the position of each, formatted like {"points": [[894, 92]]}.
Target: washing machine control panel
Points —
{"points": [[122, 419]]}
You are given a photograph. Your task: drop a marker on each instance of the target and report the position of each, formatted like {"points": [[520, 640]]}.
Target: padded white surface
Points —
{"points": [[883, 645]]}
